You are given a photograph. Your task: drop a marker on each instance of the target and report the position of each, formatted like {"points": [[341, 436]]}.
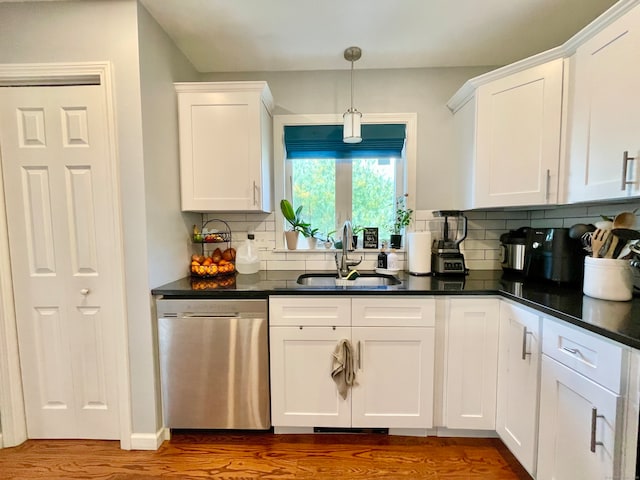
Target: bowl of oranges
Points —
{"points": [[218, 263]]}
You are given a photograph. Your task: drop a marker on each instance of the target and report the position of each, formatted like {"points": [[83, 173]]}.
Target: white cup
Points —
{"points": [[608, 279]]}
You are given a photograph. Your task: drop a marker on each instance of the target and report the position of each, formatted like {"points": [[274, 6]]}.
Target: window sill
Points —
{"points": [[332, 250]]}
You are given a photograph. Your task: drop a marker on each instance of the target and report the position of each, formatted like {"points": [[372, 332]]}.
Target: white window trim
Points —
{"points": [[280, 121]]}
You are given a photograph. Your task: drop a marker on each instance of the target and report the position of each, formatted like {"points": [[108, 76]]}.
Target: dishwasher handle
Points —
{"points": [[210, 315]]}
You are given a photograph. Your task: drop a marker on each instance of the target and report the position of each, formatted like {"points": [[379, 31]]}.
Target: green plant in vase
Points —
{"points": [[402, 219], [296, 223]]}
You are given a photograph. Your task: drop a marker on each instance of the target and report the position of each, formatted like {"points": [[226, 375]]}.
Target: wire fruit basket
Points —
{"points": [[212, 260]]}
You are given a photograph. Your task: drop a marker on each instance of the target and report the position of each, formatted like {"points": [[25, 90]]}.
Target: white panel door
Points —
{"points": [[604, 120], [471, 364], [54, 145], [518, 373], [303, 393], [395, 377], [578, 424], [518, 138]]}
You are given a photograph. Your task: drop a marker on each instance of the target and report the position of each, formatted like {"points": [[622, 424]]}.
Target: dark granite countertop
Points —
{"points": [[619, 321]]}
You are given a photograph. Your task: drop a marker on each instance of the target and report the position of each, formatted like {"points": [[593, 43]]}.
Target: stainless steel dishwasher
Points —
{"points": [[214, 363]]}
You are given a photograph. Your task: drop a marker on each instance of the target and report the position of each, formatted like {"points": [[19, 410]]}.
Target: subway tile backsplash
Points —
{"points": [[481, 247]]}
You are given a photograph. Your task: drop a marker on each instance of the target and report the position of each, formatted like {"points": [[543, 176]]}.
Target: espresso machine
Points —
{"points": [[446, 258]]}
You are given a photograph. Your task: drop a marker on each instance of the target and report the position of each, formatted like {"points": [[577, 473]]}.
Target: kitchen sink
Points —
{"points": [[332, 280]]}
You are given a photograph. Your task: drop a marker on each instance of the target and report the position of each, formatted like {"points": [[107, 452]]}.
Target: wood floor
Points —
{"points": [[198, 455]]}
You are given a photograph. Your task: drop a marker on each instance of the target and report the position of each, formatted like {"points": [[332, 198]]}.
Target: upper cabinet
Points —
{"points": [[225, 146], [604, 121], [559, 127], [510, 132]]}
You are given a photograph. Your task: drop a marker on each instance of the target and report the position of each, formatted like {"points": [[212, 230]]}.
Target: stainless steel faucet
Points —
{"points": [[345, 262]]}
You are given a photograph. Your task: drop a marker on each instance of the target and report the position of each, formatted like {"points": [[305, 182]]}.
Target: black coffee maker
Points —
{"points": [[550, 254]]}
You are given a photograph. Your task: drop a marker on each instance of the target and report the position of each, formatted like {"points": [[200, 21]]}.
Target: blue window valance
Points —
{"points": [[325, 141]]}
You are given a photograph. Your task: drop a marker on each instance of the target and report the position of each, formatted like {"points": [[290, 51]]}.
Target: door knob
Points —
{"points": [[84, 291]]}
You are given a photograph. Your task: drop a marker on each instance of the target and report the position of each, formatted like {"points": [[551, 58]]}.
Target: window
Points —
{"points": [[402, 166], [334, 181]]}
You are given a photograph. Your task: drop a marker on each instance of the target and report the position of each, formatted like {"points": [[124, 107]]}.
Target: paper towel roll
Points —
{"points": [[419, 250]]}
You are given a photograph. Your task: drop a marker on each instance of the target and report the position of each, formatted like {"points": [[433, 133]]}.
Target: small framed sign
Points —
{"points": [[370, 238]]}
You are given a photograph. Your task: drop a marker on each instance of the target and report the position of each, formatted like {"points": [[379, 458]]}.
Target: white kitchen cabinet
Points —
{"points": [[514, 125], [393, 343], [395, 377], [604, 121], [471, 357], [303, 393], [581, 403], [226, 146], [518, 381], [578, 421]]}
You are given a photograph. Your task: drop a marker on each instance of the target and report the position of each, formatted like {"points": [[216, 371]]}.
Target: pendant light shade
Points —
{"points": [[352, 117]]}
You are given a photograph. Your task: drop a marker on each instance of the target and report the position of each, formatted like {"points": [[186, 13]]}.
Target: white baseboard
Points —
{"points": [[409, 432], [453, 432], [292, 430], [149, 441]]}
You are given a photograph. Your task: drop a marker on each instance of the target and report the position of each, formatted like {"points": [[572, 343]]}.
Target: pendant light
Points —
{"points": [[352, 117]]}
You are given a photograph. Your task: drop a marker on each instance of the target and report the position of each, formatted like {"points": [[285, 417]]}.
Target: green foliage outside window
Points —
{"points": [[373, 192]]}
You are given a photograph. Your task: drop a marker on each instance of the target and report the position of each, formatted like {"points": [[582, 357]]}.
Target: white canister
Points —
{"points": [[608, 279]]}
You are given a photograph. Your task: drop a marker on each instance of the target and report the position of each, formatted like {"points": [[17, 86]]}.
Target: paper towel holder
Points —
{"points": [[419, 251]]}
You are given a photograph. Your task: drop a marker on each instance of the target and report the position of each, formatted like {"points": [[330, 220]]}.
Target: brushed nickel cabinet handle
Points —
{"points": [[255, 187], [594, 421], [625, 164], [525, 332], [546, 196], [359, 355], [572, 351]]}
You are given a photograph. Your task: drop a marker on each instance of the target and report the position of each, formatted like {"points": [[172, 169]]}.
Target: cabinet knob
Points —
{"points": [[84, 291]]}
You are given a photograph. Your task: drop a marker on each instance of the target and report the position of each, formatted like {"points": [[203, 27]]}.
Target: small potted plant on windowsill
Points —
{"points": [[295, 221], [402, 219], [357, 229], [311, 234]]}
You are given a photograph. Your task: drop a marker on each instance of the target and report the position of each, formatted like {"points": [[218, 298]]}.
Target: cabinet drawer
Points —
{"points": [[594, 357], [397, 312], [310, 311]]}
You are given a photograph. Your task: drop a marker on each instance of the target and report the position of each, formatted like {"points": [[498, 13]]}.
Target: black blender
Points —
{"points": [[446, 258]]}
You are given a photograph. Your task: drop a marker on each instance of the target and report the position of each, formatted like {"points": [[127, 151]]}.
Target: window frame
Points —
{"points": [[280, 186]]}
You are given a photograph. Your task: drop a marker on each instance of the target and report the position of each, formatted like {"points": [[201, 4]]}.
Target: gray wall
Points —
{"points": [[95, 30], [421, 90]]}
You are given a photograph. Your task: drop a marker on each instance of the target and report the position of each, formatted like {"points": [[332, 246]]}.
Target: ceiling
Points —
{"points": [[286, 35]]}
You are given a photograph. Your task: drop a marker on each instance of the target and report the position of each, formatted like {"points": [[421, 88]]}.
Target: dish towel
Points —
{"points": [[343, 372]]}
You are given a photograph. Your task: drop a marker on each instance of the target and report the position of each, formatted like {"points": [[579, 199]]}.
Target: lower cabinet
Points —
{"points": [[518, 382], [393, 343], [471, 363], [580, 434], [303, 393]]}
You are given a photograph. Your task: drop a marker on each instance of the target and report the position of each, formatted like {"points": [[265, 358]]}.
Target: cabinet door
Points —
{"points": [[303, 394], [518, 367], [604, 119], [221, 151], [395, 377], [471, 364], [518, 138], [578, 421]]}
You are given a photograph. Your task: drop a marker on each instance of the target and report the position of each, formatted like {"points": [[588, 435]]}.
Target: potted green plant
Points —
{"points": [[402, 219], [357, 229], [311, 235], [295, 221]]}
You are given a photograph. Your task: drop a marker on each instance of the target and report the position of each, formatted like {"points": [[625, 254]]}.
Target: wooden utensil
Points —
{"points": [[609, 247], [598, 239], [624, 220]]}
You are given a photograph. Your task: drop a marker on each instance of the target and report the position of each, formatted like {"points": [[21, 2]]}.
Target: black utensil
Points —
{"points": [[579, 229], [626, 234]]}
